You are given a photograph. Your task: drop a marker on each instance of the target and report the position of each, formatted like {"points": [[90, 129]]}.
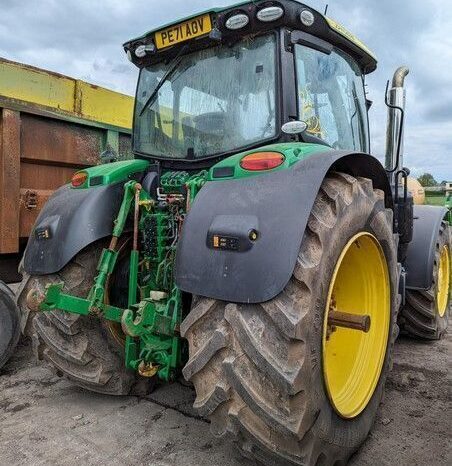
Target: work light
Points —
{"points": [[271, 13]]}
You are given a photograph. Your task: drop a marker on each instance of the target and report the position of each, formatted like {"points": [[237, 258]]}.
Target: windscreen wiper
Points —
{"points": [[171, 69]]}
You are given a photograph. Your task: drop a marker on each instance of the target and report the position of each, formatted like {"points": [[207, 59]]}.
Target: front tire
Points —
{"points": [[258, 369]]}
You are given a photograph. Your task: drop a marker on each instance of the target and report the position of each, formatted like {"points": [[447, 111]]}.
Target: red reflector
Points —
{"points": [[262, 161], [79, 179]]}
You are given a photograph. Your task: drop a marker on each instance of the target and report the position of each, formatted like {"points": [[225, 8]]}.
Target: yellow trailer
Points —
{"points": [[50, 126]]}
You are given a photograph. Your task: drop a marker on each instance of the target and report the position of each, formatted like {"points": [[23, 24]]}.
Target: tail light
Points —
{"points": [[262, 161], [78, 179]]}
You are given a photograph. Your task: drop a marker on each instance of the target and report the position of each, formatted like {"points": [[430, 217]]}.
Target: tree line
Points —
{"points": [[427, 180]]}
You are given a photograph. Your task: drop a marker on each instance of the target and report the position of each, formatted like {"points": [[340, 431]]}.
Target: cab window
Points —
{"points": [[331, 98]]}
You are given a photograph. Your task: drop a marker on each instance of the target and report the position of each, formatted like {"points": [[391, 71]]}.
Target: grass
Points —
{"points": [[435, 199]]}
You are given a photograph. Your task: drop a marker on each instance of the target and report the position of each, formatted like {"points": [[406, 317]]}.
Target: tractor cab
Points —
{"points": [[230, 80]]}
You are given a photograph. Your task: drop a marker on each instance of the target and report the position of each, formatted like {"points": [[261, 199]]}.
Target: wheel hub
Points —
{"points": [[356, 325]]}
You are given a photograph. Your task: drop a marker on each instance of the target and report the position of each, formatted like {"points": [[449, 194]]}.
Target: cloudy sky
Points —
{"points": [[82, 38]]}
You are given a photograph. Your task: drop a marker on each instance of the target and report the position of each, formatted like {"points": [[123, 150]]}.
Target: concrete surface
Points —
{"points": [[45, 420]]}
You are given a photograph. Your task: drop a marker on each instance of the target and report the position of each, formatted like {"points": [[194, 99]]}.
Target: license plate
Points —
{"points": [[184, 31]]}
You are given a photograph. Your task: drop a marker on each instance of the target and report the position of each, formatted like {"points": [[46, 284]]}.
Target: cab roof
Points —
{"points": [[323, 27]]}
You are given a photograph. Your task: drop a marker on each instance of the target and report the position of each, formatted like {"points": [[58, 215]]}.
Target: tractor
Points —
{"points": [[253, 245]]}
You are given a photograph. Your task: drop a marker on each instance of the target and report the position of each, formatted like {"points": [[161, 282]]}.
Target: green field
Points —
{"points": [[435, 198]]}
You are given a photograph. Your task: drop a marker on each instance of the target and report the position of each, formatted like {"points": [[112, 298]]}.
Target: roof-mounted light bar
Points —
{"points": [[249, 18]]}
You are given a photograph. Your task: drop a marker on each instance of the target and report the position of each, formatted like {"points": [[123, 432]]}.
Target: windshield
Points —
{"points": [[214, 101], [331, 98]]}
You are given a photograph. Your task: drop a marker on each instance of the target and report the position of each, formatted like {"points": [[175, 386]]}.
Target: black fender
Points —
{"points": [[421, 251], [277, 205], [70, 220]]}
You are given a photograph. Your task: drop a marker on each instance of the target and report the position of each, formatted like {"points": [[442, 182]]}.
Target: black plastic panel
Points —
{"points": [[281, 203], [421, 250], [71, 219]]}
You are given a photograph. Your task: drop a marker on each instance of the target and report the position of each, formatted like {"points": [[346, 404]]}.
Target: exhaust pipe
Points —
{"points": [[395, 101]]}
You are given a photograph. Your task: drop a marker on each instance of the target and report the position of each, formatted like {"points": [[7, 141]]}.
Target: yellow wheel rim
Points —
{"points": [[353, 359], [443, 281]]}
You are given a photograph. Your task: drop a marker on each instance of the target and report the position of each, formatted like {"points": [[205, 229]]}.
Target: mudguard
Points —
{"points": [[217, 256], [70, 220], [421, 250]]}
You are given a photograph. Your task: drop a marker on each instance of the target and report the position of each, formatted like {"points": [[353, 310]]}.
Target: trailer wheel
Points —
{"points": [[426, 313], [83, 348], [287, 387], [9, 324]]}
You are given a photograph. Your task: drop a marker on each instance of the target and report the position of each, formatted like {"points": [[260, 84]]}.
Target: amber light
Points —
{"points": [[79, 179], [262, 161]]}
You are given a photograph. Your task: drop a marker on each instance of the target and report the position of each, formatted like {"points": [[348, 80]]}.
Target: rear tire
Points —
{"points": [[257, 368], [80, 347], [9, 324], [421, 317]]}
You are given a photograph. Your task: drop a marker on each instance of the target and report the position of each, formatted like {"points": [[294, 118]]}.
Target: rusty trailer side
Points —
{"points": [[50, 126]]}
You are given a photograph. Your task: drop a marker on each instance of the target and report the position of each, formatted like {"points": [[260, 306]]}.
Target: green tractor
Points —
{"points": [[253, 244]]}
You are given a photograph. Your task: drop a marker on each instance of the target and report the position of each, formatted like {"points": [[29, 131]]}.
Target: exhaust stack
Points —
{"points": [[395, 101]]}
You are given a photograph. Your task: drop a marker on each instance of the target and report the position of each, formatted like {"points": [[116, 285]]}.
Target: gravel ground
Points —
{"points": [[46, 420]]}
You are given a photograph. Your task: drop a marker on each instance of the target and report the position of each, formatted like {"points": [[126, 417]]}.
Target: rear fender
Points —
{"points": [[421, 251], [277, 205], [70, 220]]}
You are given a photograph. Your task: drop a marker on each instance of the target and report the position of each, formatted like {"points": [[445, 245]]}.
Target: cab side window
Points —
{"points": [[331, 98]]}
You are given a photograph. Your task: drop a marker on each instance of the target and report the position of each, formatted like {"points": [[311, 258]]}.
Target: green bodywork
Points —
{"points": [[152, 319], [121, 171], [293, 153], [101, 175]]}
